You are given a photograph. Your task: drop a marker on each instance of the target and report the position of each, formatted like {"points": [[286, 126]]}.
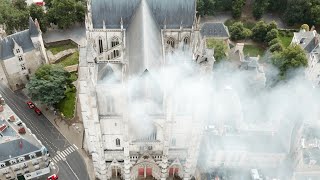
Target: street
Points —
{"points": [[65, 155]]}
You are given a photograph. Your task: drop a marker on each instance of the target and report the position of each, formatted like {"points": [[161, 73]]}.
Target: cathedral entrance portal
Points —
{"points": [[146, 168]]}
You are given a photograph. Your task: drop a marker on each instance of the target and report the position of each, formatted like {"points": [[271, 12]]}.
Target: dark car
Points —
{"points": [[30, 104], [37, 111]]}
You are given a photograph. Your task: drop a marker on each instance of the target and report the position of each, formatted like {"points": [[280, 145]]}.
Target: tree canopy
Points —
{"points": [[290, 58], [65, 13], [220, 48], [48, 84], [237, 6], [259, 8], [206, 7], [238, 31]]}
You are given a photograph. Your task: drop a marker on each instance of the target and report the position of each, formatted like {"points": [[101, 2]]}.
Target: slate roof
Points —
{"points": [[144, 41], [214, 30], [307, 40], [174, 12], [12, 148], [33, 28], [22, 38]]}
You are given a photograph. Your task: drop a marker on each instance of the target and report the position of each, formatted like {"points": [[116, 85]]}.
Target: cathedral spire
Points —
{"points": [[165, 23], [103, 25], [121, 23]]}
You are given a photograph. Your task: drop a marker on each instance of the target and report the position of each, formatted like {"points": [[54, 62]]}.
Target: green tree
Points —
{"points": [[305, 27], [12, 17], [237, 6], [273, 34], [290, 58], [276, 47], [36, 12], [20, 4], [259, 31], [220, 48], [65, 13], [206, 7], [259, 8], [272, 25], [48, 84], [238, 31], [274, 41]]}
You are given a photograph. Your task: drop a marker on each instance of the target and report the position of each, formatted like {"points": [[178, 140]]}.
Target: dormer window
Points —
{"points": [[23, 67], [20, 58]]}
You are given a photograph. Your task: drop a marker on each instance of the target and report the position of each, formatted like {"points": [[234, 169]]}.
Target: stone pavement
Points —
{"points": [[73, 133]]}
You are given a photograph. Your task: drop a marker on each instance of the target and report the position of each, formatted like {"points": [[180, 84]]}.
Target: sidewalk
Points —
{"points": [[73, 133]]}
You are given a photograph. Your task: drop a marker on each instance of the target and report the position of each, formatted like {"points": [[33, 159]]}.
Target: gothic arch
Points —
{"points": [[114, 41], [145, 164], [186, 40], [175, 169], [171, 42]]}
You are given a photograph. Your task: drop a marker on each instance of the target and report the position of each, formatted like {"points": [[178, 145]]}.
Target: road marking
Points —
{"points": [[72, 170], [68, 151], [75, 146], [61, 155]]}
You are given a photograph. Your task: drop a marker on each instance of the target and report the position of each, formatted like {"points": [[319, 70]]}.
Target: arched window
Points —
{"points": [[186, 40], [117, 142], [170, 41], [100, 45], [116, 53], [114, 42]]}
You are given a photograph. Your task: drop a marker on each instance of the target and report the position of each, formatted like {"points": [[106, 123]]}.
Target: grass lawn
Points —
{"points": [[253, 50], [58, 48], [70, 60], [285, 39], [67, 105]]}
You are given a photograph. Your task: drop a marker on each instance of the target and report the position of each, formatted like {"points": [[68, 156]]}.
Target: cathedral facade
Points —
{"points": [[134, 126]]}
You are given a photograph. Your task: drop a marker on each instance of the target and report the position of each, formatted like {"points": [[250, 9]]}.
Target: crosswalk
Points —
{"points": [[63, 154]]}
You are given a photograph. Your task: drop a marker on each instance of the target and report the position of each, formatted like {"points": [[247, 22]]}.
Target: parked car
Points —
{"points": [[53, 177], [30, 104], [37, 111]]}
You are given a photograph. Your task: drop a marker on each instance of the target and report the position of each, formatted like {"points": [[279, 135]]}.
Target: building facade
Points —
{"points": [[22, 155], [309, 41], [20, 55], [134, 126]]}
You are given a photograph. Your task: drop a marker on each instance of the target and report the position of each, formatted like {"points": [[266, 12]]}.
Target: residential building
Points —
{"points": [[309, 41], [307, 153], [134, 125], [20, 55], [22, 155]]}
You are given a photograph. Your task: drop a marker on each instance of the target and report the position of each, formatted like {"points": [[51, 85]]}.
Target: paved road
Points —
{"points": [[65, 155]]}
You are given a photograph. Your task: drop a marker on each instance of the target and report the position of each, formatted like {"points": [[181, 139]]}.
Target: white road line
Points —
{"points": [[58, 156], [72, 170], [63, 154], [68, 151], [75, 146], [71, 148]]}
